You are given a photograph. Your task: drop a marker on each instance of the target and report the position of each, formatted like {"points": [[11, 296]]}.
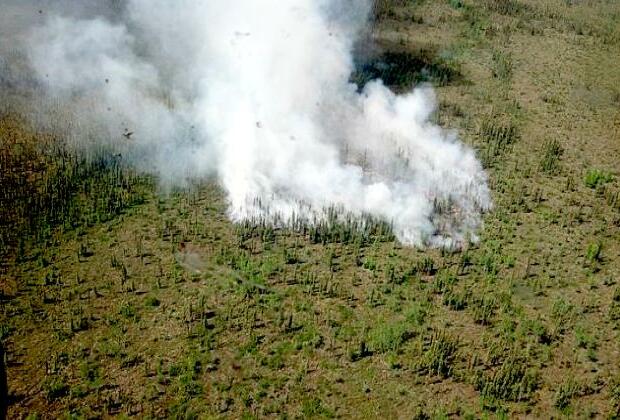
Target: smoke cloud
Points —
{"points": [[257, 94]]}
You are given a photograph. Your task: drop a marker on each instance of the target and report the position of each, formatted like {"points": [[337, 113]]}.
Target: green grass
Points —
{"points": [[596, 178]]}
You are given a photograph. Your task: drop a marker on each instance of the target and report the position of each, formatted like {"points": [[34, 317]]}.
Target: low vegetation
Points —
{"points": [[121, 300]]}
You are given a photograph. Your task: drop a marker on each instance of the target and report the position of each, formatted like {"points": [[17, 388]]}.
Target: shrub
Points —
{"points": [[552, 152], [313, 408], [389, 337], [594, 253], [55, 388], [456, 300], [483, 309], [151, 301], [507, 7], [502, 65], [596, 178], [614, 311], [566, 392], [513, 381], [498, 135], [128, 311], [439, 354], [614, 394], [416, 314]]}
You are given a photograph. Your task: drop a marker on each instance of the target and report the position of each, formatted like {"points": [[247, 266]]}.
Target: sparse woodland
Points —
{"points": [[120, 299]]}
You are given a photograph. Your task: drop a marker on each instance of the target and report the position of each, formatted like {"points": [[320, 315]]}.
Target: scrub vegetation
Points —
{"points": [[119, 299]]}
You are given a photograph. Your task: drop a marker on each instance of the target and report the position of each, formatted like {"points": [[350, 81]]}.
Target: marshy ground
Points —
{"points": [[118, 299]]}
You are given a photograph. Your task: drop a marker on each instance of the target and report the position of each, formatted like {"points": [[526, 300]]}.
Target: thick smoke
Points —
{"points": [[257, 93]]}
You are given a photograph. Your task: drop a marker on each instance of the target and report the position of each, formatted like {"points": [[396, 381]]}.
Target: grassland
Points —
{"points": [[120, 300]]}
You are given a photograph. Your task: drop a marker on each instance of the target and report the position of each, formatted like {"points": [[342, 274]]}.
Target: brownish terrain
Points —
{"points": [[118, 299]]}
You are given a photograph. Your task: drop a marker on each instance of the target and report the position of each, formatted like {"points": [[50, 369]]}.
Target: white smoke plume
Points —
{"points": [[257, 93]]}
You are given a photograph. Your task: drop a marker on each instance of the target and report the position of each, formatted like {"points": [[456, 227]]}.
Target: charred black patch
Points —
{"points": [[400, 71]]}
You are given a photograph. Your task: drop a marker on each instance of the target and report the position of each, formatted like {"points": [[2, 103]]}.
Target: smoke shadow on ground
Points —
{"points": [[402, 70]]}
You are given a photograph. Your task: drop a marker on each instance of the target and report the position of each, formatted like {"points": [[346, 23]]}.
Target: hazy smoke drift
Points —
{"points": [[258, 93]]}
